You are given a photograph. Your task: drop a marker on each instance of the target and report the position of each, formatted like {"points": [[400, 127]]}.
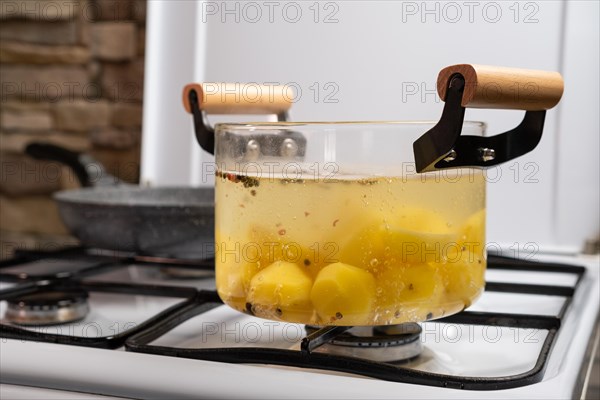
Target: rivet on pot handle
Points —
{"points": [[481, 86], [201, 99]]}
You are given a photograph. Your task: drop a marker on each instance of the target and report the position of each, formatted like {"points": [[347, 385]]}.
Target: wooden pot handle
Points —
{"points": [[239, 98], [504, 88]]}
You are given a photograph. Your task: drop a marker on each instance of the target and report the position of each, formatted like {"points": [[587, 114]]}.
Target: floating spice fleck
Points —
{"points": [[281, 232], [429, 315], [306, 262], [335, 222], [306, 213], [278, 312], [410, 286], [249, 309], [285, 181], [367, 181], [397, 313], [253, 192], [338, 315], [243, 206], [248, 181]]}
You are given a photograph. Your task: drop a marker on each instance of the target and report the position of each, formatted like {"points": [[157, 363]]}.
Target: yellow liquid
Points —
{"points": [[350, 251]]}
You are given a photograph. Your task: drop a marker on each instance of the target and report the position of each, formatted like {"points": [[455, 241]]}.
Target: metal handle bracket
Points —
{"points": [[444, 147], [205, 134]]}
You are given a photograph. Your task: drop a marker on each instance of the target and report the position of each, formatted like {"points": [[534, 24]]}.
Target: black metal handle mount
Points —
{"points": [[205, 134], [444, 147]]}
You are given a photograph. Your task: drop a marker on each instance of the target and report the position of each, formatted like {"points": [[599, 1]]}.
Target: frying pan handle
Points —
{"points": [[89, 172], [47, 151], [201, 99], [504, 88]]}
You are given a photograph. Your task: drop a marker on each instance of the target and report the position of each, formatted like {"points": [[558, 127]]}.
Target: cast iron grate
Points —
{"points": [[307, 358], [71, 266], [194, 302], [80, 262]]}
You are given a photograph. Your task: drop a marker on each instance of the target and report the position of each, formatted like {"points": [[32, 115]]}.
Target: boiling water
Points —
{"points": [[350, 251]]}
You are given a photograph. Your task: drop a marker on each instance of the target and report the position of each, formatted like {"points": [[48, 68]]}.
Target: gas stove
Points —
{"points": [[84, 320]]}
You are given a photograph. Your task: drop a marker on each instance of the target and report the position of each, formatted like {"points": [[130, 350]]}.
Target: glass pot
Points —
{"points": [[349, 223], [346, 233]]}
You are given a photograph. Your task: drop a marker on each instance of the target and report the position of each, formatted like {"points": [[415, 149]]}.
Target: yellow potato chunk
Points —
{"points": [[410, 284], [264, 246], [420, 236], [236, 263], [408, 293], [421, 220], [281, 291], [229, 281], [343, 295], [464, 267], [357, 239], [276, 244], [472, 233], [420, 284], [365, 249], [416, 238], [464, 277], [382, 246], [415, 248]]}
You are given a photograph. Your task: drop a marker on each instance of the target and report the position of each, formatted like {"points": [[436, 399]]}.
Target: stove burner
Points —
{"points": [[48, 308], [388, 343]]}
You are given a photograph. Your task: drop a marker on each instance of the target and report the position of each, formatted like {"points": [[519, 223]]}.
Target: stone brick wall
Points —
{"points": [[71, 73]]}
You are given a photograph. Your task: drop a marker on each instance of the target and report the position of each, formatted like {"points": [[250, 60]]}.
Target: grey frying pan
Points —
{"points": [[109, 214]]}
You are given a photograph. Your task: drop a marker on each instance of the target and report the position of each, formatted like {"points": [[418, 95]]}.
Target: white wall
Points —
{"points": [[168, 147], [577, 165], [374, 55]]}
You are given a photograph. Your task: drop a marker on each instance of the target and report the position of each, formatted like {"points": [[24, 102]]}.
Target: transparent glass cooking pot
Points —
{"points": [[344, 231], [329, 223]]}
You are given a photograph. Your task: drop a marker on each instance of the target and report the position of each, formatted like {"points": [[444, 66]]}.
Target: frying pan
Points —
{"points": [[170, 222]]}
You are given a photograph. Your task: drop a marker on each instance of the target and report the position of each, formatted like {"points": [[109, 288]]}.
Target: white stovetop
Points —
{"points": [[449, 349]]}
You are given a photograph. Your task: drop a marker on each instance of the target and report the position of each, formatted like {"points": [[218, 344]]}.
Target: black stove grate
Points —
{"points": [[37, 281], [195, 302], [107, 342]]}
